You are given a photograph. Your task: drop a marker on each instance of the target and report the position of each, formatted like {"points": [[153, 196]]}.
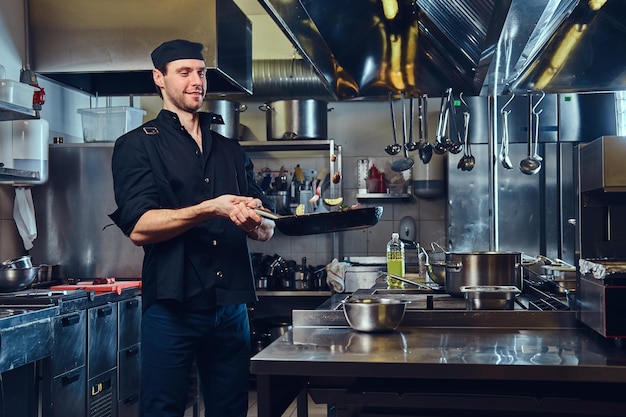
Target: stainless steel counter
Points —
{"points": [[544, 363]]}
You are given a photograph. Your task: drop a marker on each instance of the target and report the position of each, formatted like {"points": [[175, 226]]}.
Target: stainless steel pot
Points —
{"points": [[296, 119], [481, 269], [229, 110]]}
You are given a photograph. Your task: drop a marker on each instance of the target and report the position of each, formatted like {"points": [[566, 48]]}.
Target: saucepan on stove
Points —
{"points": [[477, 269]]}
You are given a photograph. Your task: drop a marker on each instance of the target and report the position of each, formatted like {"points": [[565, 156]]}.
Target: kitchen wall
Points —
{"points": [[363, 129]]}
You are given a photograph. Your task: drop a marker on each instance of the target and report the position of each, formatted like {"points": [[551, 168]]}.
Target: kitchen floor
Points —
{"points": [[315, 410]]}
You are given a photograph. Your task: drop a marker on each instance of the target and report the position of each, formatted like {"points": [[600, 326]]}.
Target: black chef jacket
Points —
{"points": [[159, 165]]}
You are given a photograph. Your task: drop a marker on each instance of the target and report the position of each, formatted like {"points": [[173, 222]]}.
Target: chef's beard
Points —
{"points": [[186, 103]]}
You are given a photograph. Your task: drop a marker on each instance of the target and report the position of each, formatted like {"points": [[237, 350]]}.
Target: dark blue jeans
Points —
{"points": [[218, 340]]}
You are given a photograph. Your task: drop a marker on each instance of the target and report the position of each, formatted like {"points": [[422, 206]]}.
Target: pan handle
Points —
{"points": [[268, 214], [454, 266]]}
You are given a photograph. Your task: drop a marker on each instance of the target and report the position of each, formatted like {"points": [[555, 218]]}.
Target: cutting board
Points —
{"points": [[116, 287]]}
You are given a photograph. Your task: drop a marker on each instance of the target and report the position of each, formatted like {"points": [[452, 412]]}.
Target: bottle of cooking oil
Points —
{"points": [[395, 261]]}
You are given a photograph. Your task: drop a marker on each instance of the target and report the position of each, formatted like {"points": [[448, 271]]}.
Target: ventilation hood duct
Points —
{"points": [[366, 49], [103, 47]]}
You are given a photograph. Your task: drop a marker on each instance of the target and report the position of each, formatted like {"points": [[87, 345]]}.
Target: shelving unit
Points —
{"points": [[10, 111], [327, 145], [383, 196], [330, 151], [294, 293]]}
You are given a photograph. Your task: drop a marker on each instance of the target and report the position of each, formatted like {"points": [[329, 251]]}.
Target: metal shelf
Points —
{"points": [[10, 174], [293, 293], [10, 111], [383, 196], [286, 145]]}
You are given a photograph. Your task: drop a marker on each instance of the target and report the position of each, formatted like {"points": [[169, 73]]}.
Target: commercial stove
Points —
{"points": [[434, 307], [535, 359]]}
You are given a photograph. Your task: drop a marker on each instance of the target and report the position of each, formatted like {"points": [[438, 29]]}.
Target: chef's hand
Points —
{"points": [[248, 220]]}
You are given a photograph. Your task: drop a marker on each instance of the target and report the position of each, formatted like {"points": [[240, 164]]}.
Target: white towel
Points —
{"points": [[335, 275], [24, 216]]}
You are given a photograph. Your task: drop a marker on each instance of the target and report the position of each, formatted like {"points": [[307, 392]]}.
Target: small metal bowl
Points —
{"points": [[490, 297], [16, 279], [374, 314], [17, 263]]}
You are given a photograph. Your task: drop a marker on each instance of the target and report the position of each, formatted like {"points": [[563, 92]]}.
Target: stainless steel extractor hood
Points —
{"points": [[364, 49], [368, 48], [103, 47]]}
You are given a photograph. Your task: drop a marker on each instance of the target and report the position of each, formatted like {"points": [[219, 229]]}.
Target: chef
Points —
{"points": [[187, 196]]}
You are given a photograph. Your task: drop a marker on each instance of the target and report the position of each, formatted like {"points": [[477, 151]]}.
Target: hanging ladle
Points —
{"points": [[537, 113], [394, 148], [504, 147], [530, 165], [425, 149], [405, 163], [411, 145], [467, 161]]}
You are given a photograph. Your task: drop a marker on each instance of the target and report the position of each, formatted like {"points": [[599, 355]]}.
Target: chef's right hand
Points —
{"points": [[224, 205]]}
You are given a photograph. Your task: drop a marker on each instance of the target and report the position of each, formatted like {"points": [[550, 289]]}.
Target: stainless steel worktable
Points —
{"points": [[543, 363]]}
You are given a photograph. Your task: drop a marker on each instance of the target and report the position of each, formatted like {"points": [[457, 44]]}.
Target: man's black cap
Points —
{"points": [[177, 49]]}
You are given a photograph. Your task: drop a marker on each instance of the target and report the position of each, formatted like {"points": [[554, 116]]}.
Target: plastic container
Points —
{"points": [[24, 151], [16, 93], [395, 261], [106, 124]]}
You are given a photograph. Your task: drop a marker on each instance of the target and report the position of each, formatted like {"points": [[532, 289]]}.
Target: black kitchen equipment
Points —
{"points": [[326, 222], [482, 268], [600, 230]]}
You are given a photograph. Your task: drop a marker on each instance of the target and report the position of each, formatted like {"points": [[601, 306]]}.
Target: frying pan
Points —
{"points": [[326, 222]]}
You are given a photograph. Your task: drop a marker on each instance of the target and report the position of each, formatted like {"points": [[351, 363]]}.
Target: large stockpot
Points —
{"points": [[296, 119], [481, 269], [229, 110]]}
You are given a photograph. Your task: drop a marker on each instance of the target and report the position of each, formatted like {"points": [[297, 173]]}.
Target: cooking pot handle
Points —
{"points": [[242, 108], [453, 266], [265, 107]]}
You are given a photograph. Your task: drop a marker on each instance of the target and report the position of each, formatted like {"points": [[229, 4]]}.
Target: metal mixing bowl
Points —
{"points": [[21, 262], [16, 279], [374, 314]]}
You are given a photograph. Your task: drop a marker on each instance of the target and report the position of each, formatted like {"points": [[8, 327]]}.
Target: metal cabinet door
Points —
{"points": [[101, 339]]}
